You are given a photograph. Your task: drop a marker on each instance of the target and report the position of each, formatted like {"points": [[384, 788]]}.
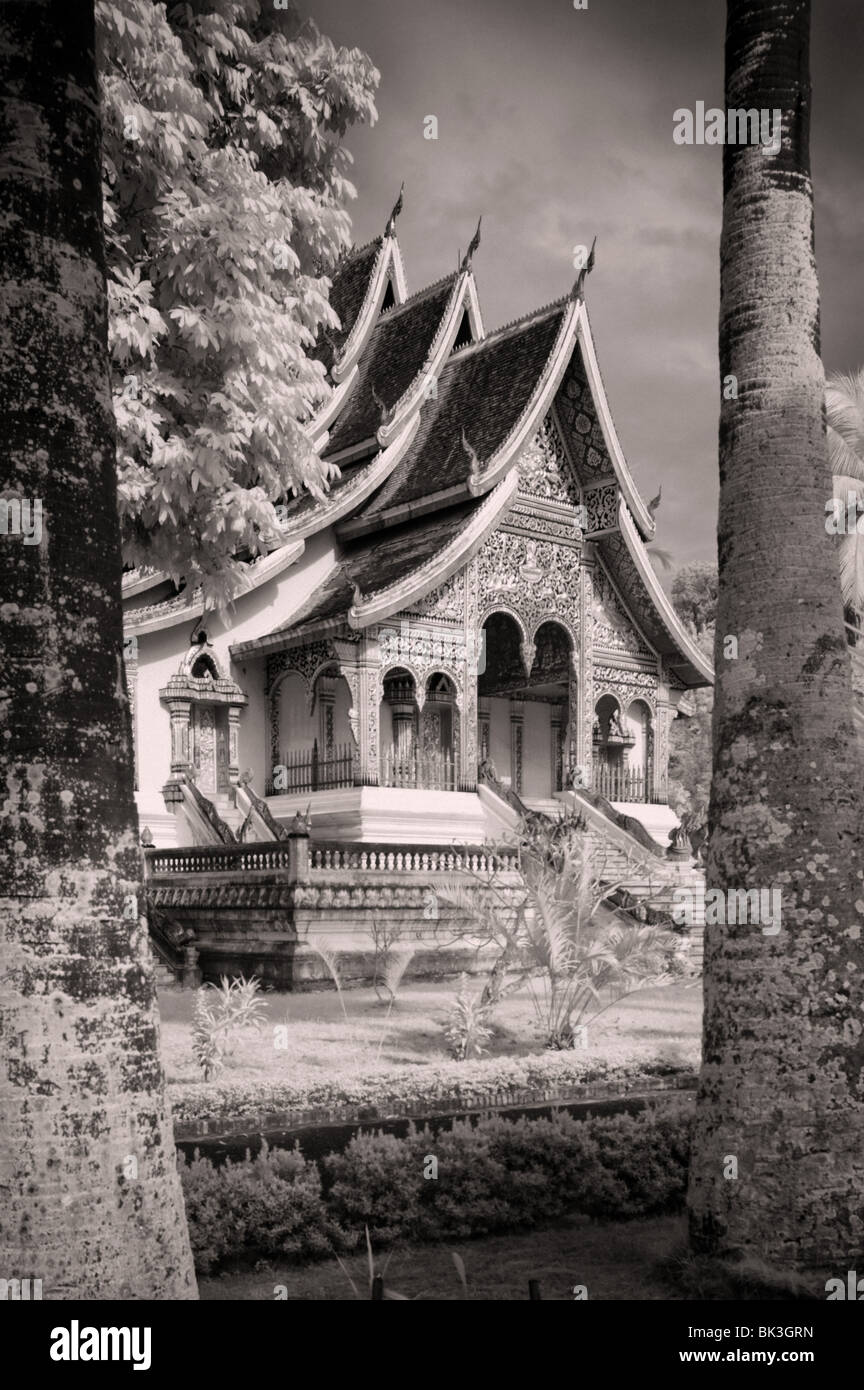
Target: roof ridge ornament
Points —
{"points": [[384, 409], [577, 294], [476, 468], [472, 246], [397, 208]]}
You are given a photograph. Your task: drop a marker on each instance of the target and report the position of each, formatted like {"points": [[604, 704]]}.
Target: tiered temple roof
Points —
{"points": [[425, 426]]}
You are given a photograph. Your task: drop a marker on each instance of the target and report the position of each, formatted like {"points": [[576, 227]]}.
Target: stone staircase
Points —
{"points": [[164, 976]]}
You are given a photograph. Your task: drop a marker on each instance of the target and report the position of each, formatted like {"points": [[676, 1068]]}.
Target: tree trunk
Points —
{"points": [[780, 1089], [89, 1193]]}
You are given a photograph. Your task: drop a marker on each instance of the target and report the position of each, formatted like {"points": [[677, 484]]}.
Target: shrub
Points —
{"points": [[268, 1206], [376, 1183], [497, 1175]]}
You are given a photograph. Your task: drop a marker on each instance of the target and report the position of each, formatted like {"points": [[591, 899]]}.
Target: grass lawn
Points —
{"points": [[615, 1260], [653, 1023]]}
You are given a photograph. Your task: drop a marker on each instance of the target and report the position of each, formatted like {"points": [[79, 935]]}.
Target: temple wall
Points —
{"points": [[159, 656], [499, 735], [537, 754]]}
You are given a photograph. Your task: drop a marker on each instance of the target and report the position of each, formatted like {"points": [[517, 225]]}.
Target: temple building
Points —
{"points": [[467, 622]]}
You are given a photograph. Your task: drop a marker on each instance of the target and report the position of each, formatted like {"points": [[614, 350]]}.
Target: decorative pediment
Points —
{"points": [[537, 579], [545, 470], [611, 626]]}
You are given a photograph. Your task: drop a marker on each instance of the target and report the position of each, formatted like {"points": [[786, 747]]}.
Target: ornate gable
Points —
{"points": [[544, 469], [612, 628]]}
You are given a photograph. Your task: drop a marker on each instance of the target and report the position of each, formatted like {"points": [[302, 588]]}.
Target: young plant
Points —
{"points": [[221, 1012], [558, 934], [466, 1028]]}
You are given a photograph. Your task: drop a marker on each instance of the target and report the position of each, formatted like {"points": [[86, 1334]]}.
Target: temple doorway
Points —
{"points": [[210, 748]]}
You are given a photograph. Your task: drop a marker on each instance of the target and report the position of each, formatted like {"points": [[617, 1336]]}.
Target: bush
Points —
{"points": [[375, 1182], [497, 1175], [263, 1207]]}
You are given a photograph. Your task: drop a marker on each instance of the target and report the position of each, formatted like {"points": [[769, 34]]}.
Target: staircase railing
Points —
{"points": [[223, 832]]}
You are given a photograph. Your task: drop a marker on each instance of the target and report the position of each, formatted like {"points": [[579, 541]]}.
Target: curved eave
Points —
{"points": [[389, 260], [171, 613], [318, 428], [278, 640], [639, 510], [462, 298], [137, 583], [678, 634], [355, 492], [373, 608], [540, 401]]}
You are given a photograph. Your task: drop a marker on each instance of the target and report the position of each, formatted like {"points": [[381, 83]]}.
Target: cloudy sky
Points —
{"points": [[556, 124]]}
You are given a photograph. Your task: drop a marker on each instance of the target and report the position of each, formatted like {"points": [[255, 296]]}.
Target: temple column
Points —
{"points": [[484, 714], [658, 750], [584, 722], [359, 663], [517, 716], [130, 657], [556, 746], [326, 697], [181, 753], [233, 744]]}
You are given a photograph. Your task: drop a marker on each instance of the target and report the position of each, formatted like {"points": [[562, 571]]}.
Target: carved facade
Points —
{"points": [[474, 586]]}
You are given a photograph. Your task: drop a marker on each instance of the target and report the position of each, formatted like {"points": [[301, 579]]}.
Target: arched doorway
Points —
{"points": [[637, 723], [315, 749], [526, 706]]}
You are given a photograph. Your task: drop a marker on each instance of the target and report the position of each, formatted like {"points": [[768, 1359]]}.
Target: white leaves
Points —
{"points": [[212, 306]]}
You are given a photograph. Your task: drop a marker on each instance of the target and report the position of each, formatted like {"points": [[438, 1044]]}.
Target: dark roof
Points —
{"points": [[376, 564], [350, 284], [483, 389], [396, 352], [298, 508]]}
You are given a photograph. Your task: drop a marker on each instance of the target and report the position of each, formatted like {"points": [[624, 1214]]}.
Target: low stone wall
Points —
{"points": [[262, 910]]}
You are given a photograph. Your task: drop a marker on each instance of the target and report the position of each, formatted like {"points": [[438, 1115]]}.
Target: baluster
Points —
{"points": [[364, 859], [399, 862]]}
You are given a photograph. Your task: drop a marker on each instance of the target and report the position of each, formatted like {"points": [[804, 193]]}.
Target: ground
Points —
{"points": [[616, 1260], [329, 1035]]}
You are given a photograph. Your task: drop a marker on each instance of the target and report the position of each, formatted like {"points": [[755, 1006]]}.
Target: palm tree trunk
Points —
{"points": [[781, 1076], [90, 1197]]}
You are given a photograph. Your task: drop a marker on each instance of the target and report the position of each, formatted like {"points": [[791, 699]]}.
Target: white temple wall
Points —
{"points": [[499, 735], [160, 654], [536, 750]]}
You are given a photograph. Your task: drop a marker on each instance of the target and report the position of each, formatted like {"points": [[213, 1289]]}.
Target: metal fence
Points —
{"points": [[308, 770]]}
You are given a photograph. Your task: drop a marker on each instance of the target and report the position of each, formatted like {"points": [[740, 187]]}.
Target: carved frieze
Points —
{"points": [[610, 624], [446, 602], [534, 578], [305, 661], [601, 503], [544, 470]]}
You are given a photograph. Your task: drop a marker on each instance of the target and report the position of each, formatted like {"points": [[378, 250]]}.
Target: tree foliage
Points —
{"points": [[225, 180]]}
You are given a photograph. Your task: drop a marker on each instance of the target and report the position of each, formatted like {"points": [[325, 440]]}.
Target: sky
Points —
{"points": [[556, 124]]}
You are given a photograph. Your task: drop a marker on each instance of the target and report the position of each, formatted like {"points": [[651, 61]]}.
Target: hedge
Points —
{"points": [[498, 1175], [201, 1108]]}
